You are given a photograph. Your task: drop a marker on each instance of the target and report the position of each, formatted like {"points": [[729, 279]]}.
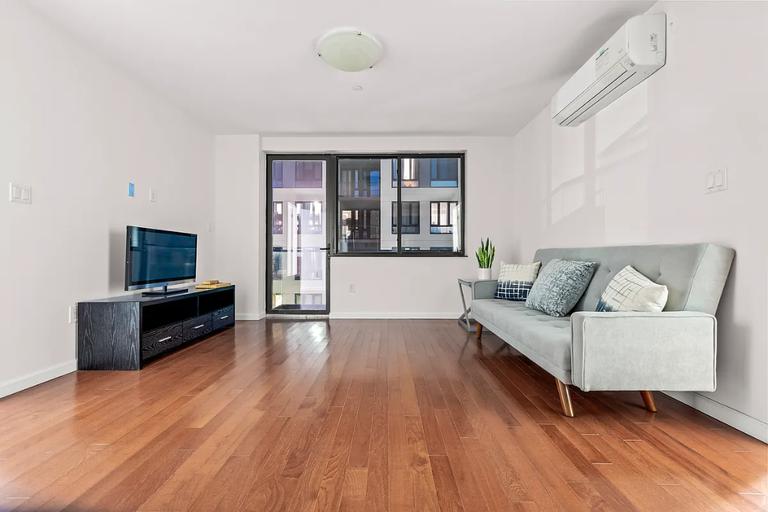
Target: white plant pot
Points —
{"points": [[483, 274]]}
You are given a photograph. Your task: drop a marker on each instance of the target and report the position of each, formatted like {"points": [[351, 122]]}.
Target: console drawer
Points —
{"points": [[223, 317], [162, 339], [196, 327]]}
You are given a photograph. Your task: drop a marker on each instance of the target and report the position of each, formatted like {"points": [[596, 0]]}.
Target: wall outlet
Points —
{"points": [[716, 181], [152, 195], [21, 194], [72, 314]]}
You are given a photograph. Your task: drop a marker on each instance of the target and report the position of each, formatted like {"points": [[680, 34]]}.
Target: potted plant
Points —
{"points": [[485, 254]]}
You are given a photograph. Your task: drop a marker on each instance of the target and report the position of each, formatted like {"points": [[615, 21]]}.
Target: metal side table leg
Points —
{"points": [[465, 320]]}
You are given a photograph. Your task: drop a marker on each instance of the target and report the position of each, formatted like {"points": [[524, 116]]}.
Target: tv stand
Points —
{"points": [[165, 291], [126, 332]]}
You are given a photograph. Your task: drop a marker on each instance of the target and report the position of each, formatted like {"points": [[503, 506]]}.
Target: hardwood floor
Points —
{"points": [[360, 415]]}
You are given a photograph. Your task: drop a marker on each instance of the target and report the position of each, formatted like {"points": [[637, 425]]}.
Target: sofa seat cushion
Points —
{"points": [[548, 337]]}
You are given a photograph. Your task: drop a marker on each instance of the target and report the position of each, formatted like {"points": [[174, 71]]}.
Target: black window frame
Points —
{"points": [[332, 213], [401, 251], [269, 182]]}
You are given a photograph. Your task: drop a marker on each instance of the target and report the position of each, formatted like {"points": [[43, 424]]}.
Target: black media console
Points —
{"points": [[123, 333]]}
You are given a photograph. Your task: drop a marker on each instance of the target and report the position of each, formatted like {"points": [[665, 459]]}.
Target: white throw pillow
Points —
{"points": [[629, 290], [515, 280]]}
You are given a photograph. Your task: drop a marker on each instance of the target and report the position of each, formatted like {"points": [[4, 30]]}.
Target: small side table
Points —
{"points": [[465, 320]]}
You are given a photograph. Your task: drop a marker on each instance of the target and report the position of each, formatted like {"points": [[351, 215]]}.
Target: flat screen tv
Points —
{"points": [[158, 258]]}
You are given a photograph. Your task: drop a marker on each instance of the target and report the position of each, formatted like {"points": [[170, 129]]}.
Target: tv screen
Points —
{"points": [[155, 257]]}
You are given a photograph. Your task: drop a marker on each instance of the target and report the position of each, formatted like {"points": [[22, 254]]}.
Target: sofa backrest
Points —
{"points": [[695, 274]]}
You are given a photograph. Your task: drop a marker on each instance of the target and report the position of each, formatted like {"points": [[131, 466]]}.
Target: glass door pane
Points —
{"points": [[299, 239]]}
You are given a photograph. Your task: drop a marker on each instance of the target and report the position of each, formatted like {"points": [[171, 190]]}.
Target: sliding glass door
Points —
{"points": [[297, 234]]}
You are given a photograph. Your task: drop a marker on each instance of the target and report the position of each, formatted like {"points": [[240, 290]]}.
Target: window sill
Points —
{"points": [[413, 254]]}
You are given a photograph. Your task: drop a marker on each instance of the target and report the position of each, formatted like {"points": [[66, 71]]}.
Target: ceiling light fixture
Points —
{"points": [[349, 49]]}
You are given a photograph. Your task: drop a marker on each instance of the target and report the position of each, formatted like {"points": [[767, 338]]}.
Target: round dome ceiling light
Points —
{"points": [[349, 49]]}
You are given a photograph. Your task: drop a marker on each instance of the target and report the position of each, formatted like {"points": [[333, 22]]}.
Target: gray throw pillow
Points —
{"points": [[560, 285]]}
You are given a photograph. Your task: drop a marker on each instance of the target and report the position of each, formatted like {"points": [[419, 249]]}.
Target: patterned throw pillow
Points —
{"points": [[515, 281], [560, 285], [629, 290]]}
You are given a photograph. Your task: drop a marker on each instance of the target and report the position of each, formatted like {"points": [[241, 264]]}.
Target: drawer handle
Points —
{"points": [[199, 326], [224, 317], [165, 339]]}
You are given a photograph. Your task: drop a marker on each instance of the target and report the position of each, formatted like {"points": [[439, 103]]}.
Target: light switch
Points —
{"points": [[717, 181], [721, 179], [72, 314], [21, 194], [152, 195], [710, 184]]}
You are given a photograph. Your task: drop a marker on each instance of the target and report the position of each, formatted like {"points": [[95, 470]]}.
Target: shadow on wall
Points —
{"points": [[607, 153], [738, 336], [116, 260]]}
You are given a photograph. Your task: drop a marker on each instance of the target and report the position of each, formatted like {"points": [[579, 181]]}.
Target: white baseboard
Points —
{"points": [[362, 316], [394, 316], [738, 420], [33, 379], [249, 316], [354, 315]]}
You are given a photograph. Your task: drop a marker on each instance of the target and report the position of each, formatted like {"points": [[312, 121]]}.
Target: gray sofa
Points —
{"points": [[674, 350]]}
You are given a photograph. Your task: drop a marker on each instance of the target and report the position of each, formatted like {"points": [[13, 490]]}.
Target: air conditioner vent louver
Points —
{"points": [[633, 53]]}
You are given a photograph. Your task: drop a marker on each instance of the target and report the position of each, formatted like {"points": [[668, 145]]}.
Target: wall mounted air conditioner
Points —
{"points": [[636, 51]]}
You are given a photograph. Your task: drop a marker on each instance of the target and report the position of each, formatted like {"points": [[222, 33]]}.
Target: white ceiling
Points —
{"points": [[450, 66]]}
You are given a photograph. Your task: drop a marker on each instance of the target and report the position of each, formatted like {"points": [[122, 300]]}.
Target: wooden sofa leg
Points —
{"points": [[478, 330], [565, 398], [648, 400]]}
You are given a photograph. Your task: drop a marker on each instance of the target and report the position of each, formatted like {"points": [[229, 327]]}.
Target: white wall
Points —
{"points": [[77, 130], [239, 223], [636, 174], [414, 287]]}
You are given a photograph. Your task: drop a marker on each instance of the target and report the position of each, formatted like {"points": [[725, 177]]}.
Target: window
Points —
{"points": [[360, 229], [277, 217], [359, 224], [410, 214], [375, 220], [297, 174], [359, 179], [309, 174], [442, 215], [309, 217], [410, 173], [444, 172], [277, 174]]}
